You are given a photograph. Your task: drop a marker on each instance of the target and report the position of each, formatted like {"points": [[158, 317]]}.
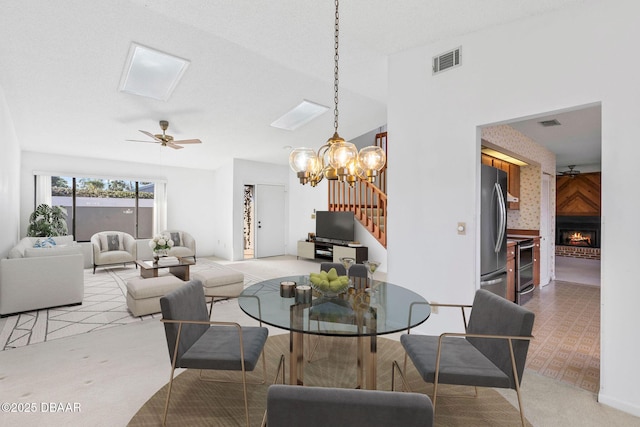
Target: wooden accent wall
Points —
{"points": [[579, 195]]}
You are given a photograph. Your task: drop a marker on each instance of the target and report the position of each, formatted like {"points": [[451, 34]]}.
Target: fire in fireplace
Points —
{"points": [[578, 231]]}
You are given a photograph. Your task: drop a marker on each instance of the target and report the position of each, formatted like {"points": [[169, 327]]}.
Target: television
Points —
{"points": [[335, 227]]}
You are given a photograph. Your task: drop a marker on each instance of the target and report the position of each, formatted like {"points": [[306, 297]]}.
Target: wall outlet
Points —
{"points": [[313, 216], [434, 309]]}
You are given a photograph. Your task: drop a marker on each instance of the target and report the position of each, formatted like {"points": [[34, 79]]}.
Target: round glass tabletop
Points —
{"points": [[381, 309]]}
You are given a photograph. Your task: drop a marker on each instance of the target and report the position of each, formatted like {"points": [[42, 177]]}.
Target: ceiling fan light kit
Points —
{"points": [[166, 140], [337, 159], [571, 173]]}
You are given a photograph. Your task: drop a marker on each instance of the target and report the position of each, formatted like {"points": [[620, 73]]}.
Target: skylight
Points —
{"points": [[151, 73], [302, 114]]}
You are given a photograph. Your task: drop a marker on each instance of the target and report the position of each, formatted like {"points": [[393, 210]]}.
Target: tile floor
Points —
{"points": [[567, 328]]}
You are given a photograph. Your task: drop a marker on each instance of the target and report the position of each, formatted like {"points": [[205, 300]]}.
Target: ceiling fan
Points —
{"points": [[571, 172], [166, 140]]}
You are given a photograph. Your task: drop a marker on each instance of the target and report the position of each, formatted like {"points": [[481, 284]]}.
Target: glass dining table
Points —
{"points": [[362, 311]]}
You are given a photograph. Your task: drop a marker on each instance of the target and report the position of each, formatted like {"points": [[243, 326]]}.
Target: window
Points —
{"points": [[97, 204]]}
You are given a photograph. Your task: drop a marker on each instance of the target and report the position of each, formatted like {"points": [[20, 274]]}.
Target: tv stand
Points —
{"points": [[331, 251]]}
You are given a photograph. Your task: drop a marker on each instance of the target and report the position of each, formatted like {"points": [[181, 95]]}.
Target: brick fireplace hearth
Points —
{"points": [[578, 252]]}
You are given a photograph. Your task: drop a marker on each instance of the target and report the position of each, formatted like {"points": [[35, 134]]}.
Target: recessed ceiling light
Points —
{"points": [[151, 73], [302, 114]]}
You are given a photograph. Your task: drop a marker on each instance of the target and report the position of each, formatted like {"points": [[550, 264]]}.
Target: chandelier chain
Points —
{"points": [[336, 69]]}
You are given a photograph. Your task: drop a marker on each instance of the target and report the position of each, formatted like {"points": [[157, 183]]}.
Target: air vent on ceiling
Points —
{"points": [[547, 123], [446, 60]]}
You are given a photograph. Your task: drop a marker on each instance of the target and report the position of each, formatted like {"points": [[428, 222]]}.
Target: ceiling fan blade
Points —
{"points": [[188, 141], [139, 140], [172, 145], [151, 135]]}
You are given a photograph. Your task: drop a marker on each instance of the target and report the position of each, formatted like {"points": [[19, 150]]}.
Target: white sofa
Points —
{"points": [[35, 278]]}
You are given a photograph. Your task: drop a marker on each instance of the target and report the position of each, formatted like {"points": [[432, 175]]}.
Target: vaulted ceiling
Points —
{"points": [[250, 62]]}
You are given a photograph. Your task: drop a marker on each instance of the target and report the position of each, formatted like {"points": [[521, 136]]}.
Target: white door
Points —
{"points": [[269, 220], [545, 231]]}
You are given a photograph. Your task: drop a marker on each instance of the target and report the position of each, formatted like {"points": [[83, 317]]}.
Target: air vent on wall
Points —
{"points": [[446, 60], [547, 123]]}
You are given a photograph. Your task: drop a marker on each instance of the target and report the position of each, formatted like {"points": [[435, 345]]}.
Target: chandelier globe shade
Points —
{"points": [[371, 160], [340, 155], [304, 162]]}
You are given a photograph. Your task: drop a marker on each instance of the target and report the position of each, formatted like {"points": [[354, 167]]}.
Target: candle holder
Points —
{"points": [[287, 289], [303, 294]]}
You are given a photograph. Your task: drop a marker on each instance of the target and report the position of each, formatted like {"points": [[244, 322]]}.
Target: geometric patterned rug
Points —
{"points": [[103, 306]]}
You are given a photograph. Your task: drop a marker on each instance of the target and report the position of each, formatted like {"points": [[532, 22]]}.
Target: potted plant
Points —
{"points": [[47, 221]]}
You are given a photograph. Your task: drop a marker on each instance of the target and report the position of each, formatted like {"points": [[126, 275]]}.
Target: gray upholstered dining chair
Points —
{"points": [[204, 344], [326, 266], [292, 406], [491, 353]]}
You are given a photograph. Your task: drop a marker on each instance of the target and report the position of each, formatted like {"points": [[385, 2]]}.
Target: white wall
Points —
{"points": [[9, 180], [303, 199], [541, 64], [246, 172], [222, 214], [189, 198]]}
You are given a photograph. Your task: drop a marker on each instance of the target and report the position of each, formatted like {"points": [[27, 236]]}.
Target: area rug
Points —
{"points": [[194, 402], [103, 306]]}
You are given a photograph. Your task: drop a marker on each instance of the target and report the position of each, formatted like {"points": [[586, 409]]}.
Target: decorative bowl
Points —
{"points": [[330, 292]]}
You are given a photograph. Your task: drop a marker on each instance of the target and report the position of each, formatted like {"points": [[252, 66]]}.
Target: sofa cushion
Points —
{"points": [[53, 251], [18, 251], [111, 242]]}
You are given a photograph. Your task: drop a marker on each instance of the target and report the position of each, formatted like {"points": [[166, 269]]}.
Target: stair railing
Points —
{"points": [[366, 201]]}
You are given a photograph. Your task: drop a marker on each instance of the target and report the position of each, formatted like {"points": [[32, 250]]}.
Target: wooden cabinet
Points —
{"points": [[329, 251], [359, 254], [306, 249], [511, 271], [536, 261], [513, 177]]}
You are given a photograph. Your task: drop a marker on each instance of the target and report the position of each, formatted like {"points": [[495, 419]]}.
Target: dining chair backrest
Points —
{"points": [[492, 314], [358, 270], [185, 303], [326, 266]]}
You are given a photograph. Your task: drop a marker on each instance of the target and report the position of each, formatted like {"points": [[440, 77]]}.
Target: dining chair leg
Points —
{"points": [[166, 405]]}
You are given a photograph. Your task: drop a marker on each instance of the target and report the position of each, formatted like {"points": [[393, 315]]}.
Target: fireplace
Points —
{"points": [[578, 231]]}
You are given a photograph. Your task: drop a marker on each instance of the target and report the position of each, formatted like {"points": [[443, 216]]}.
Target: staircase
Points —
{"points": [[367, 201]]}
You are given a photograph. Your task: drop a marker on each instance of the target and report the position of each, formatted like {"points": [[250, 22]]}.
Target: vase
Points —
{"points": [[159, 253]]}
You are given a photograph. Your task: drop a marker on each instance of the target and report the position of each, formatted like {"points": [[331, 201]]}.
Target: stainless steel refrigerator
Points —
{"points": [[493, 230]]}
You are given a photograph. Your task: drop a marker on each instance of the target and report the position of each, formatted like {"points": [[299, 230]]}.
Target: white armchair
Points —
{"points": [[113, 247], [184, 245]]}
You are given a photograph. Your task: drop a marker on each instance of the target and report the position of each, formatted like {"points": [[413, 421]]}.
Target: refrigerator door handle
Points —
{"points": [[502, 217]]}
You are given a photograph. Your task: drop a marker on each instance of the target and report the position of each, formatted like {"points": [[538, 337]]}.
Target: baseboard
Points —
{"points": [[627, 407]]}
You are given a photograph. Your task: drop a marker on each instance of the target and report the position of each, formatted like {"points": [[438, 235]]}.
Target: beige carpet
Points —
{"points": [[194, 402]]}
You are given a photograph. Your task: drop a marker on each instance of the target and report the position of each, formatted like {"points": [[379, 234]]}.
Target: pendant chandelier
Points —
{"points": [[337, 159]]}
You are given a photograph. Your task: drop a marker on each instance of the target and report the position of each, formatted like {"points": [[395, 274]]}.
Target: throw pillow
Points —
{"points": [[44, 243], [111, 242], [177, 238]]}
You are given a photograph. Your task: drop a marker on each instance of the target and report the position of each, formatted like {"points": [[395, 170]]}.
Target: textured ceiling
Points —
{"points": [[251, 61]]}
